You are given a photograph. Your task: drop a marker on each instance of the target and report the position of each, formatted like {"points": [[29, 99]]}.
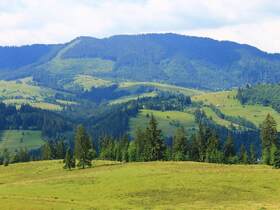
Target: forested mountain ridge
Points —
{"points": [[170, 58]]}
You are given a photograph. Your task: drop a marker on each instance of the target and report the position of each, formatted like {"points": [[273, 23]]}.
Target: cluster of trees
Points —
{"points": [[264, 94], [27, 117], [149, 144], [19, 155]]}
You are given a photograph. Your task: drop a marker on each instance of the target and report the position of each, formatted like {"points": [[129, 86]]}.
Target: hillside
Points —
{"points": [[154, 185], [229, 105], [169, 58]]}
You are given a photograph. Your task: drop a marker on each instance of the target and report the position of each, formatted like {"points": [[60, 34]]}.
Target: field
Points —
{"points": [[229, 105], [15, 139], [154, 185], [163, 87], [25, 92], [168, 121]]}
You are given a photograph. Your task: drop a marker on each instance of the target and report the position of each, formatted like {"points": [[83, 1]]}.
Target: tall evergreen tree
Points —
{"points": [[47, 151], [229, 151], [69, 160], [154, 140], [140, 144], [83, 146], [180, 145], [213, 153], [243, 156], [253, 154], [268, 138]]}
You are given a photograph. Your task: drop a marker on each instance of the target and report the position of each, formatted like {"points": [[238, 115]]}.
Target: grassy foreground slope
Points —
{"points": [[226, 101], [15, 139], [152, 185]]}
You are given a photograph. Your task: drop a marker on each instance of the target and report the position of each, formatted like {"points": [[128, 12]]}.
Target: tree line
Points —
{"points": [[149, 144]]}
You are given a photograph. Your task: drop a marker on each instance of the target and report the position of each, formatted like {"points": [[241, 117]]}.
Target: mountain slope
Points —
{"points": [[170, 58]]}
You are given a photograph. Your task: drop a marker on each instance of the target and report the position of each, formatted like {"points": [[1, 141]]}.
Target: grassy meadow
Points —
{"points": [[229, 105], [168, 121], [15, 139], [152, 185]]}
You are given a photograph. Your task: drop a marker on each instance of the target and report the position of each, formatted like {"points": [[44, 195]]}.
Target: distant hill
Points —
{"points": [[170, 58]]}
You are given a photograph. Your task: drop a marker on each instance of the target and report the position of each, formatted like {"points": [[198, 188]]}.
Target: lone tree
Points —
{"points": [[83, 148], [268, 138], [69, 160], [155, 142]]}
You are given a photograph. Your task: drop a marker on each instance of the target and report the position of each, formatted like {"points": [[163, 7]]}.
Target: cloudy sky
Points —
{"points": [[255, 22]]}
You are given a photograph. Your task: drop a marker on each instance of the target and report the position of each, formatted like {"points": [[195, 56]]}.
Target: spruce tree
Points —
{"points": [[229, 151], [180, 144], [213, 154], [69, 160], [47, 151], [139, 144], [253, 154], [82, 148], [268, 138], [243, 156], [155, 141]]}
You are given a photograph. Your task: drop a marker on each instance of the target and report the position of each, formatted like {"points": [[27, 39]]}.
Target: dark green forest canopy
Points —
{"points": [[264, 94]]}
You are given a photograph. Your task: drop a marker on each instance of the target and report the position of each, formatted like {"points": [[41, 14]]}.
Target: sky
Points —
{"points": [[254, 22]]}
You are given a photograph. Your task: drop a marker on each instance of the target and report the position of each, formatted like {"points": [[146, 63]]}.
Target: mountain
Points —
{"points": [[169, 58]]}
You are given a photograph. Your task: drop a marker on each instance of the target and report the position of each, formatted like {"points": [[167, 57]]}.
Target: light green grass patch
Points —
{"points": [[226, 101], [163, 87], [15, 139], [133, 97], [153, 185], [168, 121], [87, 82]]}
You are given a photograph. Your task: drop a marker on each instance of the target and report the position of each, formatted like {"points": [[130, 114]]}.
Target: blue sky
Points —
{"points": [[255, 22]]}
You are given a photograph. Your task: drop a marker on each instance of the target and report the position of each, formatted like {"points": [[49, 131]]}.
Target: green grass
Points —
{"points": [[25, 91], [168, 121], [87, 82], [133, 97], [15, 139], [229, 105], [163, 87], [154, 185]]}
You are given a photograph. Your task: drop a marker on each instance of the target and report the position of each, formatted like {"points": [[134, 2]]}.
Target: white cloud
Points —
{"points": [[52, 21]]}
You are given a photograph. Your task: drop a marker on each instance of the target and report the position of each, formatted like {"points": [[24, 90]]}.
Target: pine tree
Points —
{"points": [[180, 146], [229, 151], [69, 160], [139, 144], [213, 154], [82, 148], [268, 138], [202, 138], [253, 154], [243, 157], [46, 151], [155, 147], [132, 151], [194, 150]]}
